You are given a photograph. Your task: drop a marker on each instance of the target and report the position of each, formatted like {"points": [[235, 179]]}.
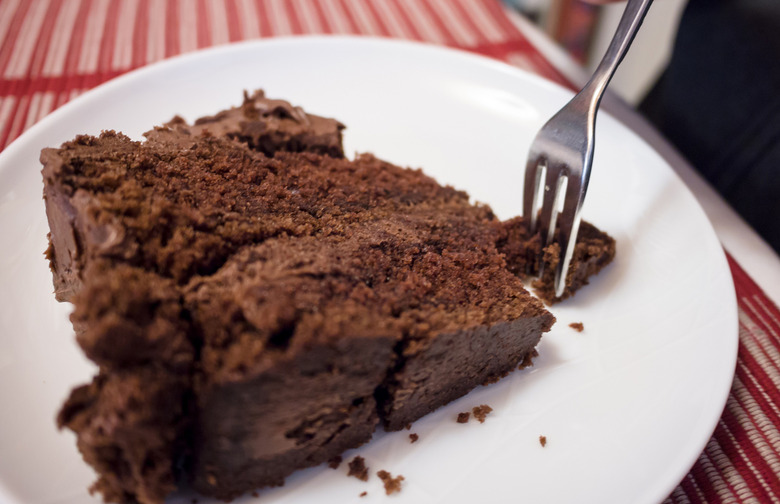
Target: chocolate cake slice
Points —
{"points": [[260, 306]]}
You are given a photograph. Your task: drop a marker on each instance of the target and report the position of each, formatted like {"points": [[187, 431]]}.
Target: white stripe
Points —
{"points": [[188, 26], [336, 20], [32, 112], [761, 390], [723, 466], [59, 44], [25, 43], [422, 22], [6, 105], [280, 23], [155, 36], [714, 477], [363, 18], [755, 415], [393, 22], [765, 342], [123, 43], [7, 11], [218, 23], [765, 353], [460, 31], [250, 26], [16, 121], [93, 36], [768, 313], [747, 492], [678, 496], [482, 20], [47, 102], [309, 19]]}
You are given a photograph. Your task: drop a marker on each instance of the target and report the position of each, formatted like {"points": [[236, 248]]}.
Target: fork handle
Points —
{"points": [[626, 31]]}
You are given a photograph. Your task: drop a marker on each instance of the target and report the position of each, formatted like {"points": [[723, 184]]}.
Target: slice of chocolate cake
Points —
{"points": [[253, 315]]}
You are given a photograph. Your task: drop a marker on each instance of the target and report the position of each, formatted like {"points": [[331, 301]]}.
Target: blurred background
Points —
{"points": [[584, 31]]}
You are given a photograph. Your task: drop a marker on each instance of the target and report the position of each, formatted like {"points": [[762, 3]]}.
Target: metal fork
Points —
{"points": [[561, 155]]}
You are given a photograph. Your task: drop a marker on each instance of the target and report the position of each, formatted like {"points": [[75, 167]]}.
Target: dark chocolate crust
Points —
{"points": [[263, 314]]}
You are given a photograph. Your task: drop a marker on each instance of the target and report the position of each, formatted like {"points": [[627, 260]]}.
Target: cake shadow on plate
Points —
{"points": [[257, 303]]}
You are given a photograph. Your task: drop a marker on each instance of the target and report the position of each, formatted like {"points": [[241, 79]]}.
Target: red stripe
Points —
{"points": [[449, 38], [42, 45], [29, 85], [762, 315], [760, 345], [204, 38], [466, 18], [405, 19], [709, 453], [108, 40], [749, 454], [172, 47], [295, 22], [745, 359], [140, 35], [326, 27], [688, 487], [76, 46], [383, 29], [353, 26], [703, 483], [11, 38], [496, 11], [767, 406], [754, 420], [233, 21], [266, 30]]}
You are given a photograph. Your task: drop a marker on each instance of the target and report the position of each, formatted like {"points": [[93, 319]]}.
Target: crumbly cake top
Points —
{"points": [[265, 255]]}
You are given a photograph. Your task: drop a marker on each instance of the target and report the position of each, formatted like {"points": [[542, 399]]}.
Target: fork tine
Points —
{"points": [[534, 172], [569, 226], [548, 214]]}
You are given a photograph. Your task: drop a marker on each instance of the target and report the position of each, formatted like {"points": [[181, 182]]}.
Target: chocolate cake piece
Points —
{"points": [[593, 250], [129, 426], [280, 307]]}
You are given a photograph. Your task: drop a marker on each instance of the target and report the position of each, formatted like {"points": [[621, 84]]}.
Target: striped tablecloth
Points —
{"points": [[52, 50]]}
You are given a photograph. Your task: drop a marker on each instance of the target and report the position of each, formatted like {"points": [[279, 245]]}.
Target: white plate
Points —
{"points": [[626, 406]]}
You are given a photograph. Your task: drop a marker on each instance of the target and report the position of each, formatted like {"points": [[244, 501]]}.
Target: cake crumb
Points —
{"points": [[482, 411], [358, 469], [392, 485], [414, 437], [528, 360], [463, 417], [543, 441], [335, 462], [408, 426], [363, 494], [577, 326], [255, 494]]}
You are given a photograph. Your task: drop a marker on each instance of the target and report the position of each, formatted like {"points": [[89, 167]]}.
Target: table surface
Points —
{"points": [[53, 50]]}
